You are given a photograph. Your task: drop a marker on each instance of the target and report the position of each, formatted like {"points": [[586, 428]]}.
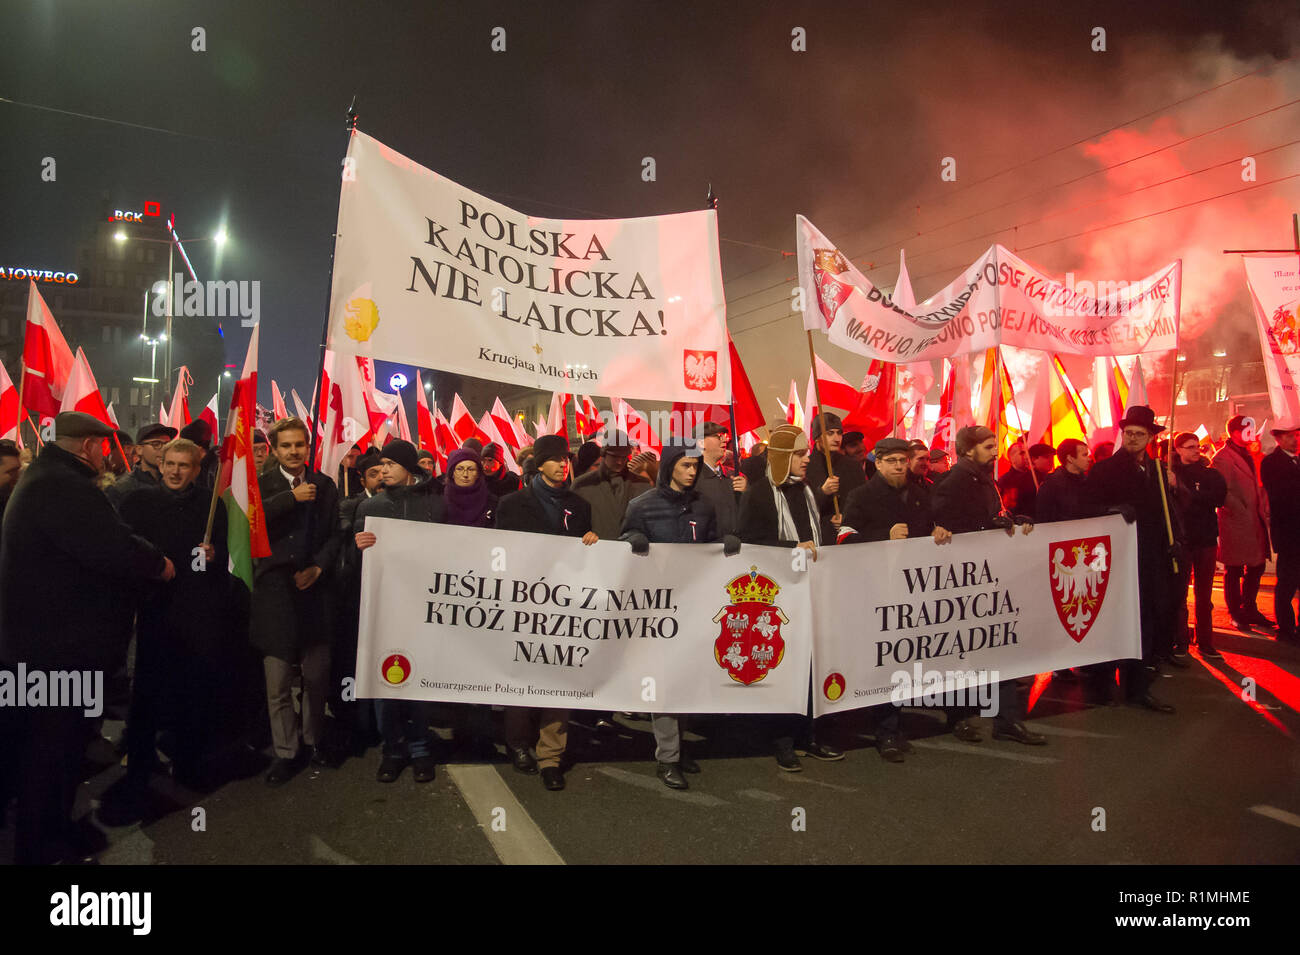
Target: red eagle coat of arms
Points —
{"points": [[700, 370], [750, 646], [1080, 570], [828, 264]]}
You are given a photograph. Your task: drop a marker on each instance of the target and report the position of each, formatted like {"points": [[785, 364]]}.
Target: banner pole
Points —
{"points": [[1019, 420], [821, 417], [711, 202], [1173, 375]]}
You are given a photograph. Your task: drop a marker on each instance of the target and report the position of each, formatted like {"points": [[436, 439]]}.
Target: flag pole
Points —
{"points": [[1173, 375], [711, 202], [821, 417]]}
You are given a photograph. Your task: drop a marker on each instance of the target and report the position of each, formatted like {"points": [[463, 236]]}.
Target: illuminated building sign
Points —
{"points": [[151, 211], [12, 274]]}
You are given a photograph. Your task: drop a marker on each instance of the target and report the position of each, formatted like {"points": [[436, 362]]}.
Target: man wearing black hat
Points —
{"points": [[200, 432], [827, 431], [967, 500], [893, 505], [716, 484], [408, 495], [1280, 471], [544, 505], [1243, 529], [149, 441], [611, 487], [587, 459], [68, 566], [499, 479], [918, 465], [855, 449], [290, 614], [1129, 481]]}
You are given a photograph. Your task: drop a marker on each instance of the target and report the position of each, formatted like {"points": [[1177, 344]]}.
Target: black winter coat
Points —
{"points": [[716, 489], [1065, 497], [966, 500], [851, 477], [521, 511], [1118, 481], [874, 508], [137, 479], [411, 502], [1019, 492], [70, 570], [759, 523], [1281, 476], [1200, 493], [283, 618], [666, 516]]}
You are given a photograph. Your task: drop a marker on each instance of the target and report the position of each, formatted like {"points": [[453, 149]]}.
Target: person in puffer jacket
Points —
{"points": [[673, 513]]}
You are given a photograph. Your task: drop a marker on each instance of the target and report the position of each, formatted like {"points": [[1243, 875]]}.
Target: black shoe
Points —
{"points": [[671, 776], [1020, 733], [1176, 660], [687, 765], [890, 751], [1257, 619], [827, 754], [282, 770], [321, 758], [1149, 702], [1209, 653], [390, 767], [552, 778], [424, 767], [1241, 624], [522, 760], [787, 760], [965, 731]]}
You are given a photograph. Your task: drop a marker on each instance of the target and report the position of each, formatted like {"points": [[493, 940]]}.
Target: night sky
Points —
{"points": [[850, 133]]}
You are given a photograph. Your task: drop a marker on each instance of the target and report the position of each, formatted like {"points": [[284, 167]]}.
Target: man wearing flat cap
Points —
{"points": [[717, 484], [1280, 471], [68, 569], [1129, 482], [827, 431], [149, 441], [611, 487]]}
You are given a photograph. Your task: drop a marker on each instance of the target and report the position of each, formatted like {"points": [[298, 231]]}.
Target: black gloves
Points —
{"points": [[640, 543], [730, 545], [1125, 511]]}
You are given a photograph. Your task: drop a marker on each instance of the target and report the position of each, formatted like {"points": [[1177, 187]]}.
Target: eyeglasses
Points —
{"points": [[1136, 433], [154, 444], [466, 469]]}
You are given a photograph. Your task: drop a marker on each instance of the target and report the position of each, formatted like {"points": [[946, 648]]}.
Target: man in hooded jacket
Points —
{"points": [[673, 513]]}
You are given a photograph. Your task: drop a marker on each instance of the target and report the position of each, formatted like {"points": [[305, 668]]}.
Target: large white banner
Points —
{"points": [[428, 272], [1275, 294], [909, 619], [1000, 300], [487, 616]]}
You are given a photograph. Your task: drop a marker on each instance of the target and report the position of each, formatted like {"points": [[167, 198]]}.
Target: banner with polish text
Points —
{"points": [[428, 272], [1275, 293], [1000, 300], [930, 618], [535, 620]]}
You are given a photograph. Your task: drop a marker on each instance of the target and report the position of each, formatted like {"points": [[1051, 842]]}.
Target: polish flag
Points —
{"points": [[749, 415], [945, 428], [345, 413], [463, 423], [446, 438], [10, 414], [300, 409], [835, 391], [82, 394], [557, 419], [277, 402], [587, 418], [179, 416], [793, 410], [1137, 390], [539, 427], [209, 414], [874, 415], [47, 361], [489, 427], [403, 426], [504, 425], [424, 418], [630, 421]]}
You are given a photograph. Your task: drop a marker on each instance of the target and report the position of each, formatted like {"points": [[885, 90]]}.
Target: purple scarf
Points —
{"points": [[466, 506]]}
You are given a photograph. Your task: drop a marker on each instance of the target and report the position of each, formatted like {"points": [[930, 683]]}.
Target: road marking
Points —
{"points": [[1280, 815], [981, 750], [798, 778], [1066, 731], [522, 842], [325, 853], [761, 795], [654, 785]]}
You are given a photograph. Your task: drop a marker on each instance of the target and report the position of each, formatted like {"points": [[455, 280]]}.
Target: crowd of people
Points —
{"points": [[111, 550]]}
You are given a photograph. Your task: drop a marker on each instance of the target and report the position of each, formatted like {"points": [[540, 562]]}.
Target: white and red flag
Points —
{"points": [[557, 418], [1271, 280], [47, 360], [489, 427], [635, 425], [505, 426], [82, 393], [209, 414], [463, 423], [179, 416], [447, 441], [835, 392], [424, 427], [874, 415], [344, 411], [11, 414], [277, 402]]}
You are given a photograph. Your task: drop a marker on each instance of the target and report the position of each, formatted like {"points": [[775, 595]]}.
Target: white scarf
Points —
{"points": [[786, 530]]}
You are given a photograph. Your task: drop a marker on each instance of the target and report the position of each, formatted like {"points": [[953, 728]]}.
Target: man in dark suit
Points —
{"points": [[544, 505], [716, 484], [1280, 472], [290, 613], [1129, 482]]}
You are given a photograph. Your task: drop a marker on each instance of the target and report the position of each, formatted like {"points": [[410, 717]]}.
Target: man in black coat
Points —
{"points": [[545, 505], [409, 494], [967, 500], [290, 611], [673, 513], [778, 510], [1280, 473], [827, 432], [1199, 491], [1064, 494], [1129, 482], [149, 442], [353, 721], [892, 505], [500, 480], [184, 652], [1019, 485], [716, 484], [68, 569]]}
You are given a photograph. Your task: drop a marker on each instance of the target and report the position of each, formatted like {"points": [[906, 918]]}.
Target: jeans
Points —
{"points": [[404, 725]]}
